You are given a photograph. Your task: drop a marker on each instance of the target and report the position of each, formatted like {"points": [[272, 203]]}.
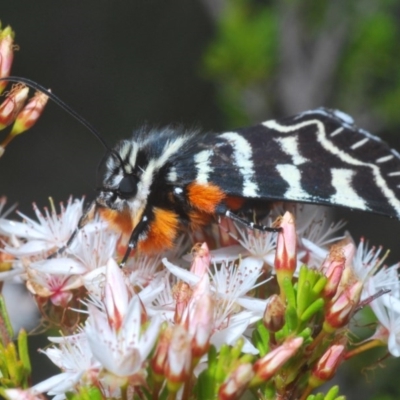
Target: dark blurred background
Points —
{"points": [[217, 64]]}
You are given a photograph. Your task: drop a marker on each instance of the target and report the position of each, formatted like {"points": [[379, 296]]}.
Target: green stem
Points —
{"points": [[172, 396], [364, 347], [316, 341], [187, 389], [124, 393], [306, 393]]}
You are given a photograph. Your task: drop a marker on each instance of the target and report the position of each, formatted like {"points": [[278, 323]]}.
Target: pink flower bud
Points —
{"points": [[159, 359], [341, 309], [332, 268], [237, 382], [348, 276], [201, 260], [200, 320], [327, 365], [6, 54], [285, 258], [268, 365], [12, 105], [179, 360], [274, 314], [115, 295], [29, 114], [182, 293]]}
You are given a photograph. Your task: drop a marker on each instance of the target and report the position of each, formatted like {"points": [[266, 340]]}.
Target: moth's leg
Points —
{"points": [[134, 238], [234, 217], [86, 217]]}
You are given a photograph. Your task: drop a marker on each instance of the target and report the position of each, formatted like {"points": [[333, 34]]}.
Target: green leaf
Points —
{"points": [[23, 351], [312, 309], [291, 319], [5, 320], [303, 296], [289, 292], [332, 393], [261, 339], [319, 285]]}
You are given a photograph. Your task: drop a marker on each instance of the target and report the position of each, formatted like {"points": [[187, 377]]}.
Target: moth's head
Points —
{"points": [[120, 185], [134, 168]]}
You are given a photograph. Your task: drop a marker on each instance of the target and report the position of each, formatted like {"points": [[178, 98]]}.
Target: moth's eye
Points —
{"points": [[128, 186]]}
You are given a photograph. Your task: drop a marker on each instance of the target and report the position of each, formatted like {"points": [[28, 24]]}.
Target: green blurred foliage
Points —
{"points": [[369, 74], [245, 55]]}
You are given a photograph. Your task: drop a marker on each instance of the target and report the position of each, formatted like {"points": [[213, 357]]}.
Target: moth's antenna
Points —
{"points": [[60, 103]]}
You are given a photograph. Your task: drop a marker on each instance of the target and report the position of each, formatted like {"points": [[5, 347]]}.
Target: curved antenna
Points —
{"points": [[60, 103]]}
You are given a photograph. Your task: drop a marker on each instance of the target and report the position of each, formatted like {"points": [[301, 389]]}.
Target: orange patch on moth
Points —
{"points": [[234, 203], [120, 221], [162, 232], [205, 197]]}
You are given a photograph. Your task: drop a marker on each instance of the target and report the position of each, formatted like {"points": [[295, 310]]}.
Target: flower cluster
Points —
{"points": [[248, 316]]}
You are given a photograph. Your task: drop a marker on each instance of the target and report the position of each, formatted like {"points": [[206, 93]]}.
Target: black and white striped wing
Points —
{"points": [[318, 157]]}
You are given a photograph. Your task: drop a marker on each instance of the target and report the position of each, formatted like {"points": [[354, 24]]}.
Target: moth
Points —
{"points": [[160, 181]]}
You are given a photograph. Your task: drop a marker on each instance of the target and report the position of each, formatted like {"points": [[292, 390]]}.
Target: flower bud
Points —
{"points": [[201, 260], [267, 366], [179, 360], [200, 319], [6, 54], [274, 314], [236, 383], [341, 309], [30, 113], [285, 258], [332, 268], [327, 365], [182, 293], [159, 359], [11, 106]]}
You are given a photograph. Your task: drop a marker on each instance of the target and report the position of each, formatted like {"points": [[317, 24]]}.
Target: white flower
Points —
{"points": [[366, 261], [259, 245], [20, 394], [143, 269], [89, 252], [232, 282], [234, 311], [386, 278], [365, 266], [74, 358], [389, 329], [115, 333], [94, 245], [50, 232]]}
